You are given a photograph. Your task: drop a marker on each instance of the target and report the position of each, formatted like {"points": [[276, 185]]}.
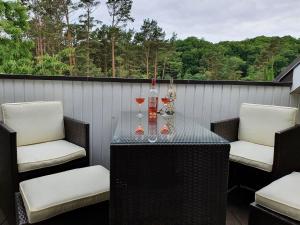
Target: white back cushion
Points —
{"points": [[35, 122], [259, 123]]}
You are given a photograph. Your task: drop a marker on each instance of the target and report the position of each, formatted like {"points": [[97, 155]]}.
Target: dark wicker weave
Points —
{"points": [[177, 181], [97, 214], [76, 132], [262, 216], [286, 155]]}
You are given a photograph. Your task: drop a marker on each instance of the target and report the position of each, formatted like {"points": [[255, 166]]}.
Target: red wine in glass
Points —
{"points": [[140, 100], [165, 100], [164, 129], [139, 130]]}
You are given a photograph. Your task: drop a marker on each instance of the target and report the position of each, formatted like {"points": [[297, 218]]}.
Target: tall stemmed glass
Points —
{"points": [[165, 101], [140, 101]]}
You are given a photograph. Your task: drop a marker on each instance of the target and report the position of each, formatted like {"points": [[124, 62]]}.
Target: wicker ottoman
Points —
{"points": [[49, 196], [277, 203]]}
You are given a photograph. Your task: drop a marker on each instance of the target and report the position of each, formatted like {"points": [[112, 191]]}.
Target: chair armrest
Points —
{"points": [[227, 129], [8, 171], [77, 132], [287, 151]]}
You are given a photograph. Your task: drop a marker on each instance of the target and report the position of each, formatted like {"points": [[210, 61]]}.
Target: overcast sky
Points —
{"points": [[217, 20]]}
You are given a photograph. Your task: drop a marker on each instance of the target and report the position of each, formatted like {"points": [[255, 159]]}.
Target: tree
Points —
{"points": [[119, 10], [101, 43], [15, 50], [150, 37], [63, 46], [47, 25], [88, 22], [68, 7]]}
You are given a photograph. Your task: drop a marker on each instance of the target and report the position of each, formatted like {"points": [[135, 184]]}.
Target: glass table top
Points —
{"points": [[175, 129]]}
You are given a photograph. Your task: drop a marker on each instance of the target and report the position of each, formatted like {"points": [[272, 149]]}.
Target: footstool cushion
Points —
{"points": [[282, 196], [51, 195]]}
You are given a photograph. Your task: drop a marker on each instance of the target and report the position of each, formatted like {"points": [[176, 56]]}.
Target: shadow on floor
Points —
{"points": [[238, 206]]}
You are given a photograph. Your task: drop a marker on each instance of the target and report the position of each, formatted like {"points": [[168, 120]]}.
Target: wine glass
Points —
{"points": [[165, 101], [140, 101], [165, 129], [139, 130]]}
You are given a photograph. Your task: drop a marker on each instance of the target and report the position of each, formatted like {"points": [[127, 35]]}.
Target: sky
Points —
{"points": [[217, 20]]}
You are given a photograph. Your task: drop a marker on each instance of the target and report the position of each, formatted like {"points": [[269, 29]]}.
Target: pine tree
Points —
{"points": [[119, 10], [88, 22], [150, 37]]}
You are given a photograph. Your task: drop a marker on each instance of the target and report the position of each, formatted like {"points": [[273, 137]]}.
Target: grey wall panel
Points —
{"points": [[100, 103]]}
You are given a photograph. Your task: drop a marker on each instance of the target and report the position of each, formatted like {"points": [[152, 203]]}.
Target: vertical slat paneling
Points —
{"points": [[68, 98], [100, 104], [19, 90], [268, 96], [107, 122], [234, 101], [9, 94], [216, 103], [259, 94], [180, 101], [48, 90], [126, 97], [58, 91], [116, 104], [1, 91], [87, 108], [39, 90], [207, 106], [29, 90], [77, 100], [198, 101], [225, 110], [96, 125], [244, 92], [285, 97], [189, 100]]}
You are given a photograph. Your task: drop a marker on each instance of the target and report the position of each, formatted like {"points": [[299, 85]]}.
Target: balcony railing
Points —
{"points": [[100, 101]]}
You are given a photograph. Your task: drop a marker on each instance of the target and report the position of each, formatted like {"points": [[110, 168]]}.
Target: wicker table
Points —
{"points": [[171, 175]]}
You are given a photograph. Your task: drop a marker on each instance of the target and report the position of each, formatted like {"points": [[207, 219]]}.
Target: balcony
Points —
{"points": [[100, 101]]}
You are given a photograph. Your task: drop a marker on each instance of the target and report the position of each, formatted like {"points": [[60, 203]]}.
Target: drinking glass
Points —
{"points": [[139, 130], [165, 101], [140, 101], [165, 129]]}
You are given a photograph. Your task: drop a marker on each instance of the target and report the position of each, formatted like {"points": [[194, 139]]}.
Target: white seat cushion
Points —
{"points": [[48, 196], [37, 156], [254, 155], [282, 196], [259, 123], [35, 122]]}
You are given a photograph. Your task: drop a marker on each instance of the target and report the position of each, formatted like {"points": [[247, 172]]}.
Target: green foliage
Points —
{"points": [[21, 66], [15, 50], [50, 65], [13, 19], [260, 58], [49, 43]]}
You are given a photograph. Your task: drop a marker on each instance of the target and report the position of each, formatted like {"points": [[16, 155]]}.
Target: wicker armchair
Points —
{"points": [[264, 144], [38, 129]]}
